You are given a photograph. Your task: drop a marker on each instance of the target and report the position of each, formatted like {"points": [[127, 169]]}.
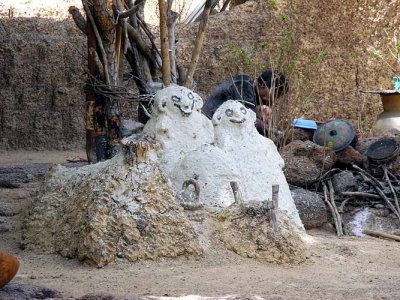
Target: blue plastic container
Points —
{"points": [[303, 123], [396, 81]]}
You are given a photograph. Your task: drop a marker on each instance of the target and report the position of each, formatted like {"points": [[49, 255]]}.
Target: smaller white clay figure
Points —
{"points": [[255, 156]]}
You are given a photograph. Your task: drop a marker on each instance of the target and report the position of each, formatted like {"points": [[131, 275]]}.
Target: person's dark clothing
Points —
{"points": [[240, 88]]}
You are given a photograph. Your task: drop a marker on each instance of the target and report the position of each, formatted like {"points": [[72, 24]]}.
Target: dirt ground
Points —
{"points": [[338, 268]]}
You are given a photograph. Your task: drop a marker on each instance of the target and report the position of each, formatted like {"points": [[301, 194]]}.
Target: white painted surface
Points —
{"points": [[359, 221], [178, 124], [214, 171], [255, 156]]}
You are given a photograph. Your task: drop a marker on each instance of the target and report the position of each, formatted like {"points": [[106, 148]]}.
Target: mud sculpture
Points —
{"points": [[126, 207], [123, 207], [178, 125], [256, 157]]}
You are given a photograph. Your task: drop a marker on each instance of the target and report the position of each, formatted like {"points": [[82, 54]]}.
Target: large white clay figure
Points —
{"points": [[213, 170], [256, 157], [178, 124]]}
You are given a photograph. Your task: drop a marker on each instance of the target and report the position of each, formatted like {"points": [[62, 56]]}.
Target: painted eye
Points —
{"points": [[243, 110], [176, 99], [229, 112], [190, 96]]}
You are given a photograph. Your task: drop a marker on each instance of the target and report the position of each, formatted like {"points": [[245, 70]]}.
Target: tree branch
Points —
{"points": [[99, 40], [78, 18], [198, 44], [166, 68]]}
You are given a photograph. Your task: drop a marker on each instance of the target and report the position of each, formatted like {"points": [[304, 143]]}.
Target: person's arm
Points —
{"points": [[263, 115]]}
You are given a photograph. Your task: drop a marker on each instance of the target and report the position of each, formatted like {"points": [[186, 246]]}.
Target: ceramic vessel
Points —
{"points": [[390, 117], [8, 268]]}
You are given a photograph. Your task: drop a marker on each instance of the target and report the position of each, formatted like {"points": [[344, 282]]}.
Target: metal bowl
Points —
{"points": [[383, 150]]}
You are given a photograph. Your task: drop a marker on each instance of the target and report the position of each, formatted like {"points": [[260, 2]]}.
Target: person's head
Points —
{"points": [[270, 85]]}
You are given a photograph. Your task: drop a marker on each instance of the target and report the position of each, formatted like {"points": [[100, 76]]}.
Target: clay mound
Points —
{"points": [[246, 229], [112, 208]]}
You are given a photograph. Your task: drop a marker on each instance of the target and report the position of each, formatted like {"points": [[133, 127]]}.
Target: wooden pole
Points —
{"points": [[90, 97], [382, 235], [166, 68], [198, 44]]}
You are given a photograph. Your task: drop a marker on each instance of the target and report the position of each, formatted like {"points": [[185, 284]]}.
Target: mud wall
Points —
{"points": [[325, 48], [41, 78]]}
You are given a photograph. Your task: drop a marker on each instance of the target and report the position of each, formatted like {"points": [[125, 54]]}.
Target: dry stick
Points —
{"points": [[368, 175], [342, 205], [361, 194], [328, 173], [198, 44], [393, 176], [225, 5], [135, 36], [147, 31], [332, 198], [381, 193], [396, 201], [383, 235], [172, 17], [131, 11], [326, 199], [99, 41], [78, 18], [166, 67]]}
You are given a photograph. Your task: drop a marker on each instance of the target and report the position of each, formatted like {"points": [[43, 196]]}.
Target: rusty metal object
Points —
{"points": [[8, 268], [190, 200]]}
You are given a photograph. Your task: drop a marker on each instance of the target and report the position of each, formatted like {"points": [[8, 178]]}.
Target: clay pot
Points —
{"points": [[8, 268]]}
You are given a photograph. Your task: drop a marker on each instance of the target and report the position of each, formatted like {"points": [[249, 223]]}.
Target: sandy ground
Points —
{"points": [[338, 268]]}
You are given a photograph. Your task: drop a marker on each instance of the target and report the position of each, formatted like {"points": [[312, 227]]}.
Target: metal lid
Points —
{"points": [[383, 150], [335, 134]]}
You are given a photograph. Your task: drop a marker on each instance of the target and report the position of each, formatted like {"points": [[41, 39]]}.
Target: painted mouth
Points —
{"points": [[237, 121], [184, 113]]}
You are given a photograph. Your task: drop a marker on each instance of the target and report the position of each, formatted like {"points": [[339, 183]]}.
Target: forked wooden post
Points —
{"points": [[275, 196], [275, 204]]}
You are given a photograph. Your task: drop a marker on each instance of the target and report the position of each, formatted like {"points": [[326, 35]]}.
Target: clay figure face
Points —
{"points": [[179, 98], [233, 112]]}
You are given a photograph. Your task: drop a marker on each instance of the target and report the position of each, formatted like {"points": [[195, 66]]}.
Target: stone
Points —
{"points": [[177, 123], [299, 134], [15, 177], [350, 156], [12, 177], [255, 156], [246, 230], [98, 296], [392, 134], [311, 207], [362, 144], [130, 127], [122, 206], [356, 221], [8, 210], [16, 291], [344, 182], [305, 162], [5, 224]]}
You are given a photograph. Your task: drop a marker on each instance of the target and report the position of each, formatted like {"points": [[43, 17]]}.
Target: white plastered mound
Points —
{"points": [[214, 171], [178, 124], [256, 157]]}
